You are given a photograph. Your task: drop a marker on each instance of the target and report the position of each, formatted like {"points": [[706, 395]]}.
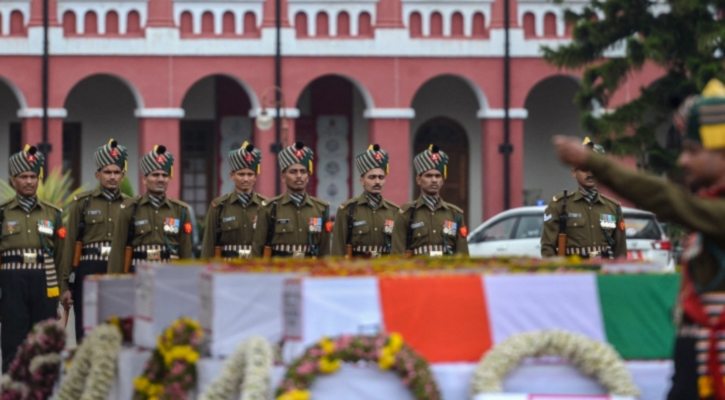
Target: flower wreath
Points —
{"points": [[171, 371], [93, 369], [389, 352], [596, 359], [36, 365], [248, 368]]}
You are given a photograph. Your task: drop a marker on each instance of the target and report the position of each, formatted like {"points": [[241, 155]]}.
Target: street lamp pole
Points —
{"points": [[45, 147], [277, 145]]}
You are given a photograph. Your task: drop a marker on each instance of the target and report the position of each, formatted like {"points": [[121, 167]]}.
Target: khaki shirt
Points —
{"points": [[369, 225], [673, 203], [20, 229], [237, 222], [149, 229], [584, 227], [100, 219], [292, 225], [428, 227]]}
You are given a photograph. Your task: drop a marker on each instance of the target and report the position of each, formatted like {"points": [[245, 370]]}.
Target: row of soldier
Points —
{"points": [[44, 260]]}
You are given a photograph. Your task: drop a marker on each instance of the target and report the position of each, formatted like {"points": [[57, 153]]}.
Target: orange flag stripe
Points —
{"points": [[444, 318]]}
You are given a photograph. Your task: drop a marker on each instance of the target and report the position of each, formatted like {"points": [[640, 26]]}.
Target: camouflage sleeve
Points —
{"points": [[550, 232], [210, 225], [669, 201], [65, 264], [619, 236], [260, 232], [400, 231], [339, 233]]}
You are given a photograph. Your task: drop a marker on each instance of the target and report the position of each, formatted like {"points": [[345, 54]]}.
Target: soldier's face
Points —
{"points": [[110, 177], [157, 182], [585, 179], [296, 178], [430, 182], [244, 180], [26, 183], [373, 181], [701, 167]]}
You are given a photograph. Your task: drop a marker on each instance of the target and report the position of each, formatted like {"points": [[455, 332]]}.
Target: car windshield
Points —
{"points": [[641, 227]]}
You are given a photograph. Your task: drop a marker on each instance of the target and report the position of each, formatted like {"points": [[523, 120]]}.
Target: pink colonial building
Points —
{"points": [[192, 74]]}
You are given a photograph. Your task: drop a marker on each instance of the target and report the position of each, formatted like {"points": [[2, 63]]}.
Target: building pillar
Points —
{"points": [[492, 137], [390, 128], [264, 140], [160, 126], [32, 126], [160, 14]]}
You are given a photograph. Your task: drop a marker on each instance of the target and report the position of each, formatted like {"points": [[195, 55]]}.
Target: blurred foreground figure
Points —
{"points": [[701, 313]]}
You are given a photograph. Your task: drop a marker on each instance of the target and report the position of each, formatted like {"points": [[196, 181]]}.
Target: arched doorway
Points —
{"points": [[100, 107], [331, 123], [552, 111], [452, 139], [10, 127], [216, 121], [446, 110]]}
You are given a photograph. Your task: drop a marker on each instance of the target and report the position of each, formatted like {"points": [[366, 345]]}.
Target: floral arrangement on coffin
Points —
{"points": [[596, 359], [248, 370], [388, 352], [36, 365], [91, 375], [171, 371]]}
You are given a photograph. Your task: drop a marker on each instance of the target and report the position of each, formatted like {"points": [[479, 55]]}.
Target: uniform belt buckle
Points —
{"points": [[298, 254], [436, 253], [30, 258], [244, 253], [594, 254], [105, 251], [153, 255], [374, 254]]}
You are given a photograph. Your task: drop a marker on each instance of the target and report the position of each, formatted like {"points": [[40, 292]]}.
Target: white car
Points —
{"points": [[517, 232]]}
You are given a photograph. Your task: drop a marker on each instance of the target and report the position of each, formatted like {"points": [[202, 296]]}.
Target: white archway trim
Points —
{"points": [[499, 113], [131, 88], [159, 113], [286, 112], [122, 8], [480, 96], [38, 113], [389, 113], [7, 7], [19, 96]]}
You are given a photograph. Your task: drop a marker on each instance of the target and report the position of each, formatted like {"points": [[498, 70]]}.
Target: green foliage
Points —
{"points": [[126, 187], [686, 44], [56, 189]]}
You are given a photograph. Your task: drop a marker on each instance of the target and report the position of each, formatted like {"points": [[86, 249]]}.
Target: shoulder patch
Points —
{"points": [[456, 208], [560, 196], [219, 200], [45, 203], [178, 202], [264, 202], [391, 204], [81, 195], [320, 201]]}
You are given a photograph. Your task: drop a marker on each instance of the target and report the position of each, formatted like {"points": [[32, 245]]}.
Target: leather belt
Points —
{"points": [[28, 258], [96, 251], [241, 253], [151, 255]]}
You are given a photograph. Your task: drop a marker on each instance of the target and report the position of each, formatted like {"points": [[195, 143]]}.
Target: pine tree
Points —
{"points": [[686, 43]]}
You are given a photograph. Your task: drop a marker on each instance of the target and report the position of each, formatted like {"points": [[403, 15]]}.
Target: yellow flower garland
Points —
{"points": [[387, 354], [295, 395]]}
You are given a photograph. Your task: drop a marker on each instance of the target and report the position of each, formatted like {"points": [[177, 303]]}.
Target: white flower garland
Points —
{"points": [[93, 369], [249, 368], [596, 359]]}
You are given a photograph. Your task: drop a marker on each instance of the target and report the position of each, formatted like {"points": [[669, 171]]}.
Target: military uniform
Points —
{"points": [[700, 317], [237, 224], [95, 213], [430, 226], [161, 232], [231, 218], [30, 242], [365, 222], [296, 225], [593, 230]]}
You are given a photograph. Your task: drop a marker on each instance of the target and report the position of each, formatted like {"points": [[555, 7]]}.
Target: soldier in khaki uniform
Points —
{"points": [[30, 242], [295, 223], [366, 223], [429, 225], [231, 218], [698, 354], [594, 222], [90, 226], [155, 227]]}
